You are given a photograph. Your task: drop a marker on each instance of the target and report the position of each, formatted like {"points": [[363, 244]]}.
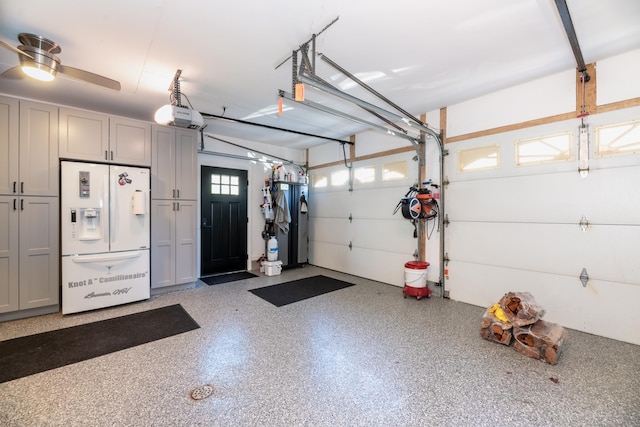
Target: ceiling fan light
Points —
{"points": [[42, 67], [44, 74], [164, 115]]}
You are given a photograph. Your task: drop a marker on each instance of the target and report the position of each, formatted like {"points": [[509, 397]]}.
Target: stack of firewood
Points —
{"points": [[518, 315]]}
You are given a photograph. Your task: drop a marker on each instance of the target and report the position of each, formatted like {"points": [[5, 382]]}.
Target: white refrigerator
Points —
{"points": [[105, 235]]}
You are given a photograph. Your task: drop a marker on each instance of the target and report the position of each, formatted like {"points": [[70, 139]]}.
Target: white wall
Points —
{"points": [[545, 97], [618, 78]]}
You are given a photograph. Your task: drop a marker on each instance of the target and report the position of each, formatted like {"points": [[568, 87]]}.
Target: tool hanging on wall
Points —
{"points": [[419, 203], [267, 203]]}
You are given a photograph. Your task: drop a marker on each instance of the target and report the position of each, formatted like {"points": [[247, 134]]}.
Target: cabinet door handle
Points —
{"points": [[178, 203], [22, 187], [21, 204], [15, 206], [173, 193], [111, 154], [14, 187], [106, 155], [178, 192], [174, 205]]}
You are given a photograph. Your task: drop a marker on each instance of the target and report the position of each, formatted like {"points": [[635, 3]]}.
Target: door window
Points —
{"points": [[225, 184]]}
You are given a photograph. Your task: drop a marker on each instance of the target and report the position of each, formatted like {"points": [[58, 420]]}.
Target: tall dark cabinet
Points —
{"points": [[293, 246]]}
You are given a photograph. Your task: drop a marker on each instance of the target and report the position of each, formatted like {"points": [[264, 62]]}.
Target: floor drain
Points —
{"points": [[202, 392]]}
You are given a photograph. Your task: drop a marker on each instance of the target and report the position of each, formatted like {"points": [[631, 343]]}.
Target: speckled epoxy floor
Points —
{"points": [[360, 356]]}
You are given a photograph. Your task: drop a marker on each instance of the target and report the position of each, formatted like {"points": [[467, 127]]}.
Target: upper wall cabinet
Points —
{"points": [[84, 135], [130, 141], [89, 136]]}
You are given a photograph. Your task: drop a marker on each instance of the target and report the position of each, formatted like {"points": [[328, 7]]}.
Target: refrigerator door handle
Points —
{"points": [[104, 201], [113, 208], [80, 259]]}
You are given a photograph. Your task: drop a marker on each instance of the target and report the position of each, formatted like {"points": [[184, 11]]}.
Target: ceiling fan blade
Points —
{"points": [[15, 49], [89, 77], [14, 73]]}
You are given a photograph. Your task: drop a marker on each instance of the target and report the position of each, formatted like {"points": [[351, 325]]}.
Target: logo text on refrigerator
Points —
{"points": [[106, 279]]}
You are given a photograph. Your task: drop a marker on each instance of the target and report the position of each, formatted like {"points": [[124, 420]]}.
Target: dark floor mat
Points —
{"points": [[298, 290], [20, 357], [225, 278]]}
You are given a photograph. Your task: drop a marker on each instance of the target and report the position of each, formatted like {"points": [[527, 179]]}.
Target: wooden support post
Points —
{"points": [[586, 97], [422, 223], [352, 148]]}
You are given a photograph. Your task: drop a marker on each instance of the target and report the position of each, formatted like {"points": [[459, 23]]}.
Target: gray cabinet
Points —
{"points": [[39, 251], [29, 212], [173, 242], [175, 161], [9, 267], [95, 137], [37, 148], [9, 131], [173, 206], [129, 141], [84, 135], [29, 254]]}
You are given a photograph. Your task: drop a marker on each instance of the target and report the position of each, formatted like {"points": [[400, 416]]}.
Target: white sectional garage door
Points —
{"points": [[381, 243], [517, 228]]}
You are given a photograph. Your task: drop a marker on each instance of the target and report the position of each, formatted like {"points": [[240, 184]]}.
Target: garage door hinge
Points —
{"points": [[446, 258], [446, 182], [446, 221], [584, 223], [350, 246], [350, 218], [584, 277]]}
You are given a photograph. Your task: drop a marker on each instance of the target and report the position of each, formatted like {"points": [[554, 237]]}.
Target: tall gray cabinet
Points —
{"points": [[173, 206], [29, 208]]}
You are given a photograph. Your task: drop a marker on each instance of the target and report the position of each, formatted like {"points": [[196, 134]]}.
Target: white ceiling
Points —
{"points": [[421, 54]]}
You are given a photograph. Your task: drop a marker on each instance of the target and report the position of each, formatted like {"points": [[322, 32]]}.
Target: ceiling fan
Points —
{"points": [[38, 59]]}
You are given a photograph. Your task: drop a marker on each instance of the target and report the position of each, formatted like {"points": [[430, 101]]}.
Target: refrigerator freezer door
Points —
{"points": [[84, 214], [130, 225], [104, 280]]}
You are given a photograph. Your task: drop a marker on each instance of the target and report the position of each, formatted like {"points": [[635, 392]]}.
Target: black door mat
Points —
{"points": [[20, 357], [298, 290], [229, 277]]}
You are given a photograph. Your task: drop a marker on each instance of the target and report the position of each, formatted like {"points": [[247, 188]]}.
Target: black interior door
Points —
{"points": [[223, 220]]}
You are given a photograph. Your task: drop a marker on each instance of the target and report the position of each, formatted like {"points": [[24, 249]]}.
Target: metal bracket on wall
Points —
{"points": [[584, 277], [584, 223], [583, 151]]}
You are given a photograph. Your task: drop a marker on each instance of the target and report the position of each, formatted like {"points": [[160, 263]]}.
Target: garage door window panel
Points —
{"points": [[395, 171], [364, 175], [479, 158], [623, 138], [546, 149]]}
